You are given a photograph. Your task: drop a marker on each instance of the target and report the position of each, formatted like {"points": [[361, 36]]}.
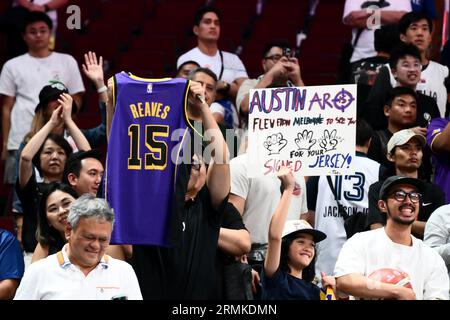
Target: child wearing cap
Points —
{"points": [[289, 266]]}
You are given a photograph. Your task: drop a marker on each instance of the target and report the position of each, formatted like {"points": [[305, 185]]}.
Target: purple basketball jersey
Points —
{"points": [[140, 173]]}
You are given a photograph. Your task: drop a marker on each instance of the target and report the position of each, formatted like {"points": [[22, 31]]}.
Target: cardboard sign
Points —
{"points": [[311, 129]]}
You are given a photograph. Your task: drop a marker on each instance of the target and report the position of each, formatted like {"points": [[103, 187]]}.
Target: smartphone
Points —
{"points": [[287, 52]]}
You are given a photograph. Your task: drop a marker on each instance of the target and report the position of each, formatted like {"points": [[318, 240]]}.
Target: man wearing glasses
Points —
{"points": [[281, 69], [411, 269]]}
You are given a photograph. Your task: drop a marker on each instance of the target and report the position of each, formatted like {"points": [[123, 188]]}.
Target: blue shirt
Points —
{"points": [[11, 257], [425, 6], [283, 286]]}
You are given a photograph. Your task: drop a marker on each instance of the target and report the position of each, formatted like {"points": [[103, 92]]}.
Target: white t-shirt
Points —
{"points": [[233, 68], [55, 278], [24, 76], [437, 233], [431, 83], [354, 196], [262, 196], [369, 251], [365, 45]]}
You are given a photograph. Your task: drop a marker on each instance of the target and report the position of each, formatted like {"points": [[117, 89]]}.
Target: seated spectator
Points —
{"points": [[84, 171], [393, 247], [11, 265], [63, 276], [404, 150], [401, 111], [48, 153], [256, 199], [48, 101], [289, 266], [438, 138], [406, 69], [280, 70], [52, 219], [416, 28], [23, 77]]}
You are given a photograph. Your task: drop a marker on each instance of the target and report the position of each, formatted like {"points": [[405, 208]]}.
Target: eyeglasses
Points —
{"points": [[400, 196], [274, 57]]}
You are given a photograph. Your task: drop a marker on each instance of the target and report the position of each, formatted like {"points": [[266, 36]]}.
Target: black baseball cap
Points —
{"points": [[50, 92], [387, 185]]}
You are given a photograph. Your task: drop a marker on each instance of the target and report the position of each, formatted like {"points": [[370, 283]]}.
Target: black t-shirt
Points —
{"points": [[30, 197], [374, 105], [378, 147], [232, 219], [186, 270], [432, 198]]}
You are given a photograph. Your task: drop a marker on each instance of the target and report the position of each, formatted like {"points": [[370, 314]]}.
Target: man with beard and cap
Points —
{"points": [[393, 249]]}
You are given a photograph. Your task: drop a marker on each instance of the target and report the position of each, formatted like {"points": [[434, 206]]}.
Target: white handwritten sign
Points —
{"points": [[311, 129]]}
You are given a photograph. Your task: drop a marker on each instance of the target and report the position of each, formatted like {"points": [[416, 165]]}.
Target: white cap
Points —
{"points": [[302, 226], [403, 136]]}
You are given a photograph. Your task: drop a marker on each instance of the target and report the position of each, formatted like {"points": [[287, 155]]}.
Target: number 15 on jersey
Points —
{"points": [[155, 154]]}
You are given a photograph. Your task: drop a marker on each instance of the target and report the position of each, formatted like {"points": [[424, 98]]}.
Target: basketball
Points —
{"points": [[388, 275]]}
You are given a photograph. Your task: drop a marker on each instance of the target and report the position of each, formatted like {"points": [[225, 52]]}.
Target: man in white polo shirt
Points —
{"points": [[81, 270]]}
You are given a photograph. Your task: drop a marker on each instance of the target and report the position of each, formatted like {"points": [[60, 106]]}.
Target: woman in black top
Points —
{"points": [[52, 217]]}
